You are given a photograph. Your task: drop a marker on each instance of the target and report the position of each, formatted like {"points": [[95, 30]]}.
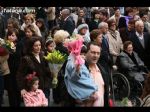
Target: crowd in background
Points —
{"points": [[35, 31]]}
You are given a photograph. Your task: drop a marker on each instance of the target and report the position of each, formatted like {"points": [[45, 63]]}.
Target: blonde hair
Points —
{"points": [[60, 36], [31, 16]]}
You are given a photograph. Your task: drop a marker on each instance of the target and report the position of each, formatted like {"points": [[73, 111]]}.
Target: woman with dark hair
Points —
{"points": [[96, 36], [10, 83], [129, 63], [41, 25], [14, 23], [29, 33], [95, 21], [34, 61]]}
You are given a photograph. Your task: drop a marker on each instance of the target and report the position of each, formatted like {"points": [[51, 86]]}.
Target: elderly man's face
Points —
{"points": [[140, 28], [92, 56]]}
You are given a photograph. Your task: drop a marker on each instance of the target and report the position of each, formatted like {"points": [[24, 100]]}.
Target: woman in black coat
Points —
{"points": [[34, 61]]}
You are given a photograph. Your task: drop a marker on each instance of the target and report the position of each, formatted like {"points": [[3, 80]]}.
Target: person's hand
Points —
{"points": [[23, 91], [77, 67]]}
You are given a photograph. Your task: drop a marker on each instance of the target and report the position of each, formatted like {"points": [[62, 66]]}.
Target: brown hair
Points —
{"points": [[30, 43], [110, 21], [126, 44], [10, 32], [31, 28], [14, 22], [94, 33], [30, 82], [131, 21], [146, 90]]}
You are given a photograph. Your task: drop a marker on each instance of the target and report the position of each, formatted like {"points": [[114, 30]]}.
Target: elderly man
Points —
{"points": [[141, 43], [105, 58], [67, 22]]}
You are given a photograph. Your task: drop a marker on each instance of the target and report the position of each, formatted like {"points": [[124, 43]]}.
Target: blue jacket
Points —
{"points": [[79, 85]]}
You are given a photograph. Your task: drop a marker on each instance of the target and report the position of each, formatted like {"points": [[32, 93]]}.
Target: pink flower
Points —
{"points": [[74, 46]]}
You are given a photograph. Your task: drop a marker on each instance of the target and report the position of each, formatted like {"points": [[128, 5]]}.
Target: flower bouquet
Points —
{"points": [[55, 62], [74, 45], [125, 102], [6, 47]]}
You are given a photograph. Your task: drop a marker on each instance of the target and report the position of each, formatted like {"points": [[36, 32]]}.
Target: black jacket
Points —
{"points": [[68, 25], [28, 65], [144, 53]]}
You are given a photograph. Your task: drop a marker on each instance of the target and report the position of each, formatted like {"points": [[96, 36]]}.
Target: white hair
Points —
{"points": [[66, 11], [60, 36], [102, 24], [138, 23]]}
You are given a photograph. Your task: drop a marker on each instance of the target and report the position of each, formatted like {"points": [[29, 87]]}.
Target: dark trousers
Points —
{"points": [[51, 24], [13, 93], [47, 94], [1, 89]]}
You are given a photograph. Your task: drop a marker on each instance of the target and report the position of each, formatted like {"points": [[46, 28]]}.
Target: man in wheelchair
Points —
{"points": [[129, 63]]}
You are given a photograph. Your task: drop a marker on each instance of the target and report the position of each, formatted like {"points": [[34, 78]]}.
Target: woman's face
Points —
{"points": [[28, 33], [113, 26], [99, 39], [9, 26], [81, 13], [129, 49], [83, 31], [12, 37], [28, 21], [51, 47], [35, 85], [97, 16], [37, 47], [39, 24]]}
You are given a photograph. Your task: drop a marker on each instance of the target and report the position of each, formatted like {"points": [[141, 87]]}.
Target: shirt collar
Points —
{"points": [[97, 69], [66, 18], [138, 34]]}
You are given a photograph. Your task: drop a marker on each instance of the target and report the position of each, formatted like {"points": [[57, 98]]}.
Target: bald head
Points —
{"points": [[139, 26]]}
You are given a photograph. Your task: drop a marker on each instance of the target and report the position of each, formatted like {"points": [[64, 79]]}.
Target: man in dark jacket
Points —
{"points": [[67, 22], [141, 43]]}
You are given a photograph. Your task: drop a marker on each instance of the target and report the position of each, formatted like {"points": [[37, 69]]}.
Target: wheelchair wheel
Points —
{"points": [[136, 88], [121, 86]]}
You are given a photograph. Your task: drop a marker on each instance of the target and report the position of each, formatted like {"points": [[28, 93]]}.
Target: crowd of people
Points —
{"points": [[109, 37]]}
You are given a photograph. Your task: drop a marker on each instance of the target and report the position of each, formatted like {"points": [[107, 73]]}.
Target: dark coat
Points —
{"points": [[62, 49], [29, 64], [93, 25], [105, 58], [68, 25], [2, 26], [143, 53], [125, 34]]}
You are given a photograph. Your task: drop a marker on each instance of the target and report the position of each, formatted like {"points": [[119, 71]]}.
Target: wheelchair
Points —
{"points": [[125, 86]]}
